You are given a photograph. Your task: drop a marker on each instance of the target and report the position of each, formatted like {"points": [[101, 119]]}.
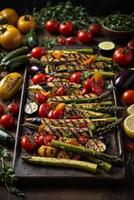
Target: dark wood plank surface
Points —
{"points": [[125, 192]]}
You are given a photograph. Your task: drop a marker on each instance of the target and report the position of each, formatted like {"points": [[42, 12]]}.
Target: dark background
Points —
{"points": [[94, 7]]}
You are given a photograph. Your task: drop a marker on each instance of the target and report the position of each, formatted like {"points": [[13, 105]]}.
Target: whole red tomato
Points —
{"points": [[2, 110], [7, 121], [75, 77], [44, 110], [84, 36], [28, 143], [66, 28], [39, 78], [13, 108], [52, 26], [123, 56], [37, 52], [94, 29], [70, 40], [128, 97]]}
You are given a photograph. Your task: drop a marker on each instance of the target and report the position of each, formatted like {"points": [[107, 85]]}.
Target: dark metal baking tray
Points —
{"points": [[27, 172]]}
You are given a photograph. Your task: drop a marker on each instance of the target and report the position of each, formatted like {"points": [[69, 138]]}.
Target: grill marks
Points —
{"points": [[66, 57], [72, 97]]}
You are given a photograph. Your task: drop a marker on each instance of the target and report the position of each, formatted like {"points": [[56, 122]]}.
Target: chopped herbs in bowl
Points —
{"points": [[118, 26]]}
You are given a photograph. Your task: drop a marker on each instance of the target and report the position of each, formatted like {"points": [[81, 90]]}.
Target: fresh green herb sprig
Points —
{"points": [[7, 174], [64, 11]]}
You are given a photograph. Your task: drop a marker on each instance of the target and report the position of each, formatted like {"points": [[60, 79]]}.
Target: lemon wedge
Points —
{"points": [[130, 109], [129, 126]]}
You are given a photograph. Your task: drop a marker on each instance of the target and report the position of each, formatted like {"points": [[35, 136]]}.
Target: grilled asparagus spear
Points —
{"points": [[86, 152], [86, 166], [87, 98]]}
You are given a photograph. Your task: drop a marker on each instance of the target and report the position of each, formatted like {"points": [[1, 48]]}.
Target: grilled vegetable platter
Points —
{"points": [[68, 126]]}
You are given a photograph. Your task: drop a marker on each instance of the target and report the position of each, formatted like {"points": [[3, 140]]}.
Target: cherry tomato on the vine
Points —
{"points": [[66, 28], [84, 37], [52, 26]]}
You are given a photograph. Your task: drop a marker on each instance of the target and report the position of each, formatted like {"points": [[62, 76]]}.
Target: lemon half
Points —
{"points": [[129, 126], [130, 109]]}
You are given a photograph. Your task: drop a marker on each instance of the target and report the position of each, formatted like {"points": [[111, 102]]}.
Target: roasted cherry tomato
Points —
{"points": [[48, 139], [10, 14], [51, 79], [60, 91], [39, 78], [7, 121], [97, 90], [50, 114], [37, 52], [82, 140], [13, 108], [70, 40], [62, 40], [28, 143], [123, 56], [128, 97], [83, 91], [40, 98], [66, 28], [58, 114], [75, 77], [10, 37], [84, 37], [44, 110], [2, 110], [94, 29], [52, 26], [87, 84], [26, 23]]}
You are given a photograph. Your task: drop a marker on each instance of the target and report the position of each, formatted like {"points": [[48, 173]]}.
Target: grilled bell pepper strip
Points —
{"points": [[75, 164], [86, 152]]}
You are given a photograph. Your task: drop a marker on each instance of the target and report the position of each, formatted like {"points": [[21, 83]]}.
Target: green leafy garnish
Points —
{"points": [[7, 174], [64, 11]]}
